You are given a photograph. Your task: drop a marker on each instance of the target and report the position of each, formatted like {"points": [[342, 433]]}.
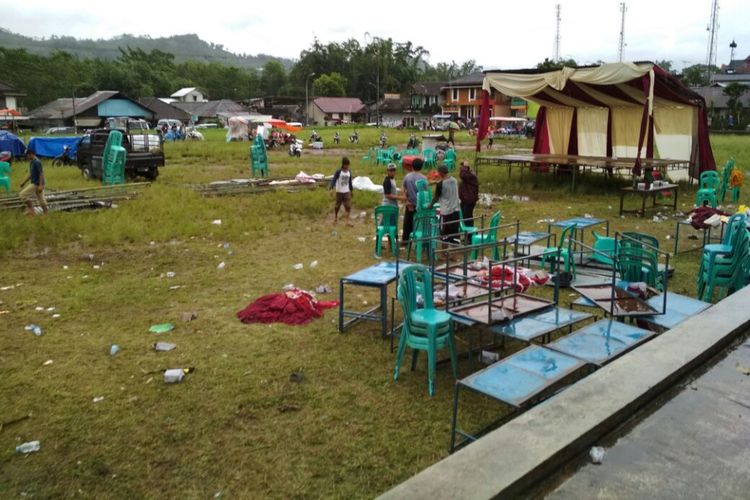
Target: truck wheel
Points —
{"points": [[151, 175], [86, 172]]}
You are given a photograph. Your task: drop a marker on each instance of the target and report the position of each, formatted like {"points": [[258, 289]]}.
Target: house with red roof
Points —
{"points": [[336, 110]]}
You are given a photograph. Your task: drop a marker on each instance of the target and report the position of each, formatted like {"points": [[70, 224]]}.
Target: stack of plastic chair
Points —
{"points": [[568, 260], [430, 158], [258, 157], [709, 182], [5, 169], [386, 224], [424, 195], [425, 233], [487, 236], [113, 159], [726, 265], [638, 259], [449, 160], [424, 328]]}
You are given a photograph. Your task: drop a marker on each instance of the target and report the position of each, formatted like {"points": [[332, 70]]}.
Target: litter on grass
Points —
{"points": [[164, 346], [161, 328]]}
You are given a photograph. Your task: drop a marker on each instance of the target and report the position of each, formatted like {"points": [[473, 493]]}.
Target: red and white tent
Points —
{"points": [[625, 110]]}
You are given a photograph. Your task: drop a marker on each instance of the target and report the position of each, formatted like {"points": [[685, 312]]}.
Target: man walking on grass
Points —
{"points": [[342, 183], [36, 188]]}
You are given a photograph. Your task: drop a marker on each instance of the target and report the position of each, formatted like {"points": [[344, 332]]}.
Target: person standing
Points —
{"points": [[468, 192], [36, 187], [342, 184], [446, 193], [410, 190]]}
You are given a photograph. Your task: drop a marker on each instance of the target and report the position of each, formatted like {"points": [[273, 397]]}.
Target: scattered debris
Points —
{"points": [[188, 316], [114, 349], [298, 266], [743, 369], [173, 375], [164, 346], [98, 399], [35, 329], [161, 328], [597, 454], [171, 274], [296, 377], [488, 357], [39, 308], [175, 287], [314, 263], [216, 222], [47, 363], [29, 447], [361, 239], [322, 289], [9, 287], [221, 265]]}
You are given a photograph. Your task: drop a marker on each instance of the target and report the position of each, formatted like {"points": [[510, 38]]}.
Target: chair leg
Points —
{"points": [[414, 355], [431, 362], [452, 351], [400, 352], [378, 243]]}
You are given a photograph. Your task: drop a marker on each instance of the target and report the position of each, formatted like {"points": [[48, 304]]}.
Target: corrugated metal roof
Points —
{"points": [[8, 89], [211, 109], [185, 91], [339, 104], [164, 110], [63, 107], [427, 88]]}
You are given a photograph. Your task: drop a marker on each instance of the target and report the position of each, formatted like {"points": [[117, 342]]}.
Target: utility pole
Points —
{"points": [[557, 32], [621, 48], [713, 39]]}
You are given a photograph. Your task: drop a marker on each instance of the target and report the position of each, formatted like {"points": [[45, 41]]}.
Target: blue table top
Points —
{"points": [[582, 222], [381, 273], [521, 376], [602, 341], [526, 238], [536, 325], [679, 308]]}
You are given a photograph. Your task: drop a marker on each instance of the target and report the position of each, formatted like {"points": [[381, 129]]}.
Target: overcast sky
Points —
{"points": [[501, 34]]}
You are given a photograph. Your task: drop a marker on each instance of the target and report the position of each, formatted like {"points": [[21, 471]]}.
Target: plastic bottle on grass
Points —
{"points": [[29, 447]]}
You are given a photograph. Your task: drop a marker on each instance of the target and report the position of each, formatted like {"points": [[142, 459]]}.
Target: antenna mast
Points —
{"points": [[732, 46], [713, 39], [557, 32], [621, 48]]}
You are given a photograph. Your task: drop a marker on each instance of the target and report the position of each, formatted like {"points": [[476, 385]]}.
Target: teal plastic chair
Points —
{"points": [[258, 157], [488, 236], [568, 260], [605, 245], [466, 230], [5, 175], [113, 170], [638, 259], [725, 264], [425, 233], [424, 195], [709, 182], [386, 224], [726, 174], [430, 158], [449, 160], [424, 328]]}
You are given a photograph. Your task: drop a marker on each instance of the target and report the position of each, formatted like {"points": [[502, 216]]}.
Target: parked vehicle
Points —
{"points": [[145, 154], [295, 148], [63, 158]]}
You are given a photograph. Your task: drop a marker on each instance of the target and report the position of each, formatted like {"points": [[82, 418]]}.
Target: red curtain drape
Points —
{"points": [[484, 119], [541, 135], [706, 159]]}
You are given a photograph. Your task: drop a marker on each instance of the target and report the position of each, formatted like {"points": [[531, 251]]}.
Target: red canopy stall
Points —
{"points": [[626, 110]]}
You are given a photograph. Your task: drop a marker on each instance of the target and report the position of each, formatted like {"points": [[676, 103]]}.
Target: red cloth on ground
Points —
{"points": [[700, 214], [294, 307]]}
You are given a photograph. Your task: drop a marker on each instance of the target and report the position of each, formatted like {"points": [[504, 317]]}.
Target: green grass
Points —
{"points": [[356, 432]]}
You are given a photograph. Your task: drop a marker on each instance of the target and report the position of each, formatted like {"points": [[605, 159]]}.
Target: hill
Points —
{"points": [[184, 47]]}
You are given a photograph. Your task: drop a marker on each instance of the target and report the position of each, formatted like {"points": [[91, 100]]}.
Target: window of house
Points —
{"points": [[454, 96], [472, 94]]}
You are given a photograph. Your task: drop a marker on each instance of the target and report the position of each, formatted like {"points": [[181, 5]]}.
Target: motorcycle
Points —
{"points": [[354, 138], [63, 158], [295, 148]]}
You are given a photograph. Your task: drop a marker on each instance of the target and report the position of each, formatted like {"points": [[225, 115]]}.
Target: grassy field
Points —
{"points": [[238, 425]]}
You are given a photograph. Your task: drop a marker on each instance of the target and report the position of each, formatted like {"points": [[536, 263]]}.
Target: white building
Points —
{"points": [[189, 94]]}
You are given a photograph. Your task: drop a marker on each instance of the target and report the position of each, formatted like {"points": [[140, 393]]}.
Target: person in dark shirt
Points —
{"points": [[36, 187], [468, 191]]}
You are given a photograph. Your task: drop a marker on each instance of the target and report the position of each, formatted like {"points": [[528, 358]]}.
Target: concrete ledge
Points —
{"points": [[516, 456]]}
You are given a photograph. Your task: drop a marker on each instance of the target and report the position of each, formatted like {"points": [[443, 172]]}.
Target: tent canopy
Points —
{"points": [[627, 110], [51, 147], [10, 142]]}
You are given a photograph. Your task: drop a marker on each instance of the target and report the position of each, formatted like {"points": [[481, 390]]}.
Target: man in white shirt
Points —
{"points": [[342, 183]]}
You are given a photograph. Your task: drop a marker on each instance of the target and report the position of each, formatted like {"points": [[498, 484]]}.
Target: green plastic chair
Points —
{"points": [[638, 259], [424, 328], [449, 160], [113, 170], [5, 175], [467, 230], [726, 174], [725, 265], [605, 245], [386, 223], [488, 236], [424, 195], [430, 158], [424, 235], [258, 157], [709, 182], [569, 262]]}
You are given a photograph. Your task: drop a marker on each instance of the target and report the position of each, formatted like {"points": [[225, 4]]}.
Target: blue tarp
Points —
{"points": [[53, 146], [10, 142]]}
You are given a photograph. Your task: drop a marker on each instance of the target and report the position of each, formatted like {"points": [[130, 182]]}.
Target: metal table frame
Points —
{"points": [[645, 193], [389, 273]]}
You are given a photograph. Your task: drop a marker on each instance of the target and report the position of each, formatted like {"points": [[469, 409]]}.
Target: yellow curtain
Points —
{"points": [[592, 131], [559, 123]]}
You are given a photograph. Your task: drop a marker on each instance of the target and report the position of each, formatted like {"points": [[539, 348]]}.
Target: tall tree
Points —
{"points": [[330, 85], [273, 78], [734, 91]]}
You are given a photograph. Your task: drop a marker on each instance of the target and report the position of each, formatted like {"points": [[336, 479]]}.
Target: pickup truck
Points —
{"points": [[145, 153]]}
